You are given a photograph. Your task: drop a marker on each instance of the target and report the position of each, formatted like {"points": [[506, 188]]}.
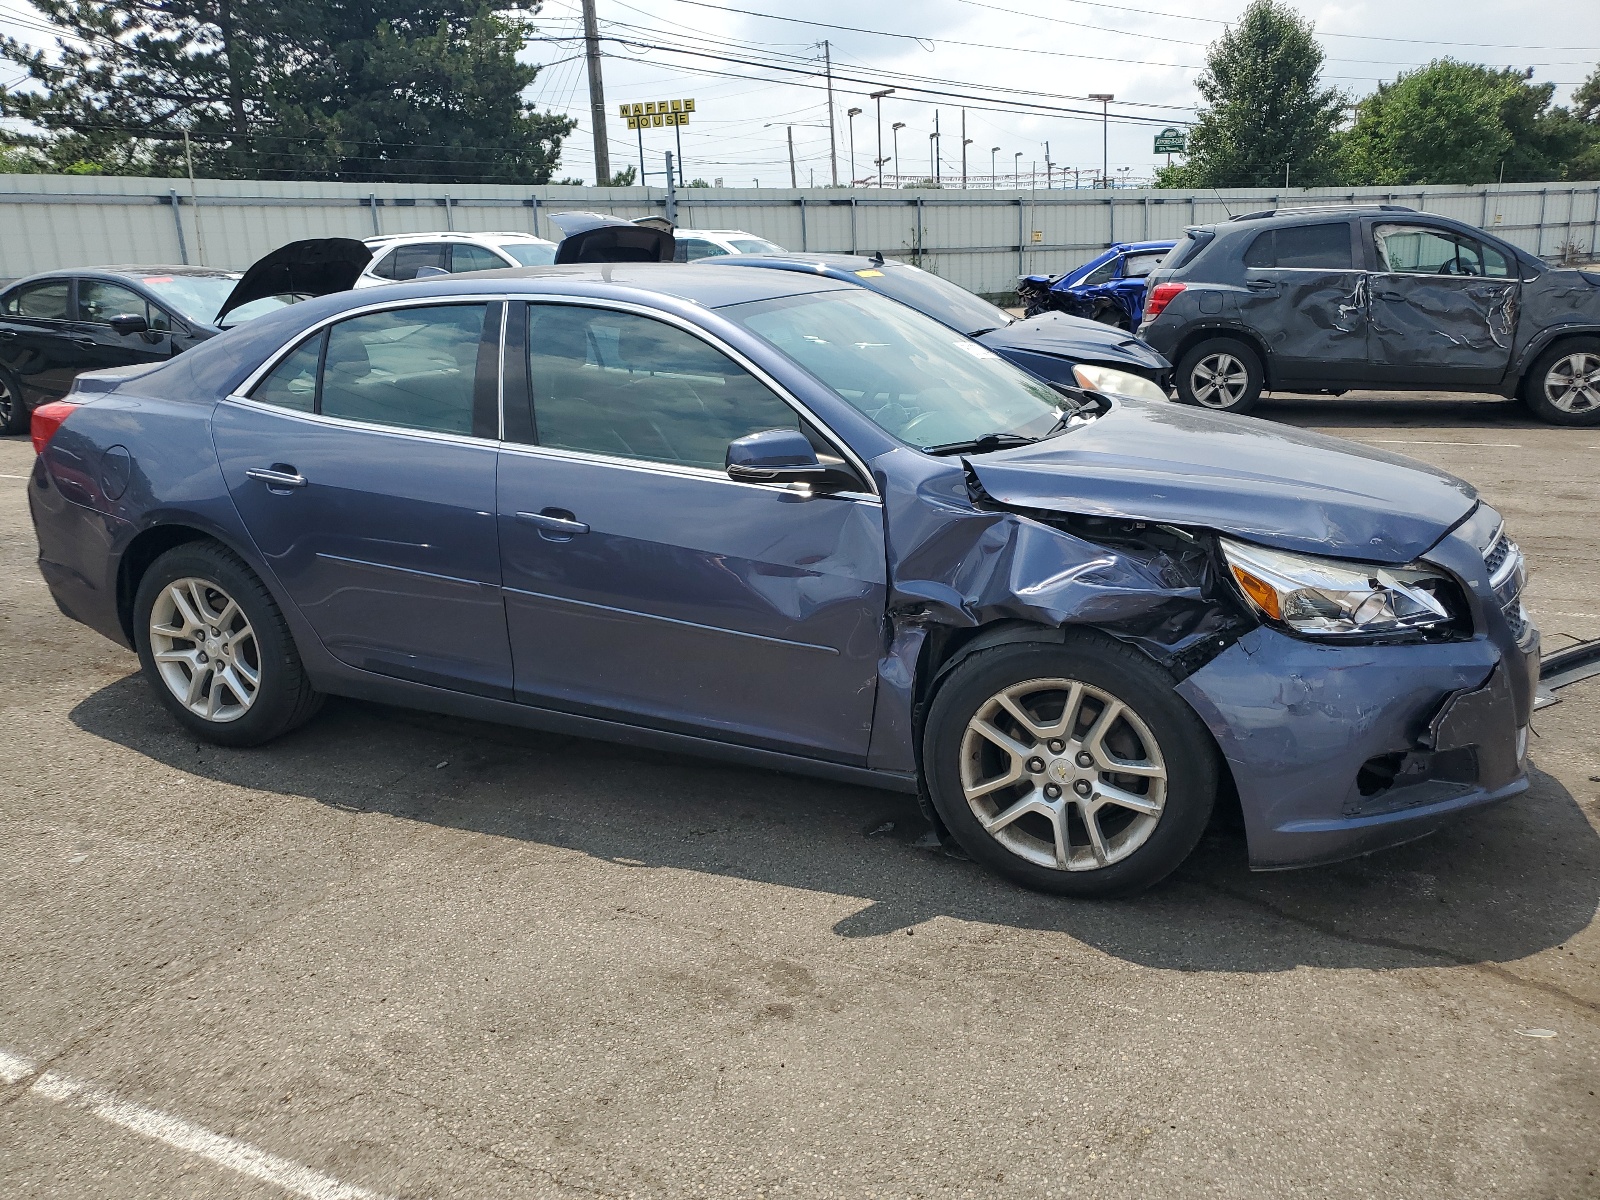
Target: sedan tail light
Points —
{"points": [[1160, 296], [47, 418]]}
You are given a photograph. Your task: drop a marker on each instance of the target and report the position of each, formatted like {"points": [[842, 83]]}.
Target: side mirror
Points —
{"points": [[129, 324], [774, 456]]}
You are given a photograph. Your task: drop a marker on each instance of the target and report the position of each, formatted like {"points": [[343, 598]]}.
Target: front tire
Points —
{"points": [[14, 417], [1222, 374], [1563, 386], [216, 650], [1069, 768]]}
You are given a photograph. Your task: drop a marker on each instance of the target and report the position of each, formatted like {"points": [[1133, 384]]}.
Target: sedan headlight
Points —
{"points": [[1324, 596], [1116, 383]]}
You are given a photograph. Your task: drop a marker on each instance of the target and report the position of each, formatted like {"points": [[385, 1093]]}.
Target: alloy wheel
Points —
{"points": [[1219, 380], [8, 405], [1063, 774], [205, 649], [1572, 384]]}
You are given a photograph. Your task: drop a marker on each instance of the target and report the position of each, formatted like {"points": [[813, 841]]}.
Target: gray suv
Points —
{"points": [[1323, 300]]}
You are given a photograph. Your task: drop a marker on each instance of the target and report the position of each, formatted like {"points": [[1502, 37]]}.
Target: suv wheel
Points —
{"points": [[13, 409], [1564, 385], [216, 649], [1221, 374], [1074, 769]]}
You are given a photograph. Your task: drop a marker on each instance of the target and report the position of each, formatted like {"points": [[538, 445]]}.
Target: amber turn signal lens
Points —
{"points": [[1264, 594]]}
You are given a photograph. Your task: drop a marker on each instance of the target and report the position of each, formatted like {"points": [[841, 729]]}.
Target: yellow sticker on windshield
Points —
{"points": [[869, 273]]}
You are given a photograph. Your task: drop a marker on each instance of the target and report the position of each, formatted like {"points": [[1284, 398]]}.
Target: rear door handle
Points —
{"points": [[275, 478], [1262, 285], [1392, 297], [554, 524]]}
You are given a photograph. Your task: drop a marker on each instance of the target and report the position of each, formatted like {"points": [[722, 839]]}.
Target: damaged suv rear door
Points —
{"points": [[1305, 294], [1443, 305]]}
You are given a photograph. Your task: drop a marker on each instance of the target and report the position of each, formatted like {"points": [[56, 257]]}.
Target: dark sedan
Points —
{"points": [[786, 521], [55, 325], [1054, 346]]}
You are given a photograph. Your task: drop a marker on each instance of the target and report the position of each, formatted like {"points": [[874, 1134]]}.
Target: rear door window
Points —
{"points": [[45, 301], [691, 249], [1319, 247], [465, 257], [410, 368], [1104, 273], [408, 260]]}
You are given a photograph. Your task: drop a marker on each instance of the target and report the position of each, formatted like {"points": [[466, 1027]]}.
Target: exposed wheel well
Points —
{"points": [[1525, 378], [145, 548]]}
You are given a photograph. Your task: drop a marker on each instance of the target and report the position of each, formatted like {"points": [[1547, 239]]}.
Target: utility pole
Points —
{"points": [[794, 180], [965, 142], [833, 149], [1049, 170], [936, 147], [877, 97], [597, 100], [1105, 99]]}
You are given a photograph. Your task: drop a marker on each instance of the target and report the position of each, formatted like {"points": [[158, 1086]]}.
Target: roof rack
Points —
{"points": [[1319, 208]]}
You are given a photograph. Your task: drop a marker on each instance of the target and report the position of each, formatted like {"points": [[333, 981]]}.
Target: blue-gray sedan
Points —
{"points": [[789, 522]]}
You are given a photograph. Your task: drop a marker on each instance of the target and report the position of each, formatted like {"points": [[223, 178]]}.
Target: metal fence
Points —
{"points": [[980, 239]]}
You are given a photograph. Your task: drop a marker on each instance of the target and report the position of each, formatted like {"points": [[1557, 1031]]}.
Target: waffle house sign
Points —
{"points": [[657, 114]]}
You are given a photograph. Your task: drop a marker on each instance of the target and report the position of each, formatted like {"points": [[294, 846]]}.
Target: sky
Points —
{"points": [[1024, 74]]}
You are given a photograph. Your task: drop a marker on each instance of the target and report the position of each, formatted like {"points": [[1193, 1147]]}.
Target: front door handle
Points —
{"points": [[277, 476], [86, 343], [555, 524], [8, 334]]}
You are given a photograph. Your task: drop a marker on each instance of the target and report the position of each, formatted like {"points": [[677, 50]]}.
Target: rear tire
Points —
{"points": [[1563, 385], [14, 416], [216, 650], [1046, 807], [1222, 374]]}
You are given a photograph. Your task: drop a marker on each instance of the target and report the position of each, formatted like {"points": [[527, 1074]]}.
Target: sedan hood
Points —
{"points": [[1075, 338], [602, 238], [1265, 483], [314, 267]]}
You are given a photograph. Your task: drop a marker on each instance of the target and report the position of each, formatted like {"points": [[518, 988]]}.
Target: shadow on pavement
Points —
{"points": [[1417, 410], [1491, 888]]}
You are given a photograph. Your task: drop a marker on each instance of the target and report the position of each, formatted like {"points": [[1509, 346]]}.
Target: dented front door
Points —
{"points": [[1443, 307]]}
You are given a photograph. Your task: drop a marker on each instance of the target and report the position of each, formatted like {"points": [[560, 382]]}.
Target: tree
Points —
{"points": [[1456, 122], [1265, 107], [377, 90]]}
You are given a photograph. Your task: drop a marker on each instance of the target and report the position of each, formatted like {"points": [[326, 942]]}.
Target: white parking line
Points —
{"points": [[13, 476], [1421, 442], [182, 1135]]}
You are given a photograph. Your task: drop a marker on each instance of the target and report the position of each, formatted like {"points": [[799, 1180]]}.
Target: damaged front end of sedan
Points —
{"points": [[1357, 707]]}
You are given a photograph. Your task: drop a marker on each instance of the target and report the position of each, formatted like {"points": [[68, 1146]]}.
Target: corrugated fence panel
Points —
{"points": [[980, 239]]}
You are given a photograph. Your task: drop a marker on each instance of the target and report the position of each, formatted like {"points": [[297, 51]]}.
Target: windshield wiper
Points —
{"points": [[982, 444]]}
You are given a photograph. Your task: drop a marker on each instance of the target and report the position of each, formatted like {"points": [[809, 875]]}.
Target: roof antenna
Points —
{"points": [[877, 259], [1224, 204]]}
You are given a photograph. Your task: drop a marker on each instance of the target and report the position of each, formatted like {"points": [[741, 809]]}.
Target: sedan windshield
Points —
{"points": [[196, 298], [531, 254], [914, 377], [942, 300]]}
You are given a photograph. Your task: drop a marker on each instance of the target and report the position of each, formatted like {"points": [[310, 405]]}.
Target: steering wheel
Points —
{"points": [[912, 425], [1455, 266]]}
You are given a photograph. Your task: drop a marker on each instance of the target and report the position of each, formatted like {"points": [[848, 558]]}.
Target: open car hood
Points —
{"points": [[1075, 338], [1153, 461], [601, 238], [314, 267]]}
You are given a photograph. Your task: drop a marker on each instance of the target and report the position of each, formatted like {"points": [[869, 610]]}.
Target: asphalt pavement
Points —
{"points": [[398, 955]]}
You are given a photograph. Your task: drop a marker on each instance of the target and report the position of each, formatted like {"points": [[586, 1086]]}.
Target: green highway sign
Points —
{"points": [[1170, 141]]}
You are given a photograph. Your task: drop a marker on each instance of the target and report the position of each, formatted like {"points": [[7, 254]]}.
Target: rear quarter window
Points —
{"points": [[1186, 248], [1325, 246]]}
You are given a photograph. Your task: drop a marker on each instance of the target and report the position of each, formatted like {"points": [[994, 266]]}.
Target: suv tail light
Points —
{"points": [[1160, 296], [47, 418]]}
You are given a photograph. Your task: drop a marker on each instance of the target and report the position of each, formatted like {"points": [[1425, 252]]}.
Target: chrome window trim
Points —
{"points": [[241, 394], [460, 439], [681, 471], [716, 343]]}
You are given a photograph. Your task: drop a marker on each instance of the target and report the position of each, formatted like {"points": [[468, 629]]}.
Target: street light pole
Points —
{"points": [[1016, 170], [1049, 170], [965, 142], [936, 147], [894, 133], [1105, 99], [994, 175], [851, 116], [877, 98]]}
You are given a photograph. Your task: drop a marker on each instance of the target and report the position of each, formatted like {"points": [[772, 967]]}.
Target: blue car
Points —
{"points": [[1055, 347], [786, 521], [1109, 289]]}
